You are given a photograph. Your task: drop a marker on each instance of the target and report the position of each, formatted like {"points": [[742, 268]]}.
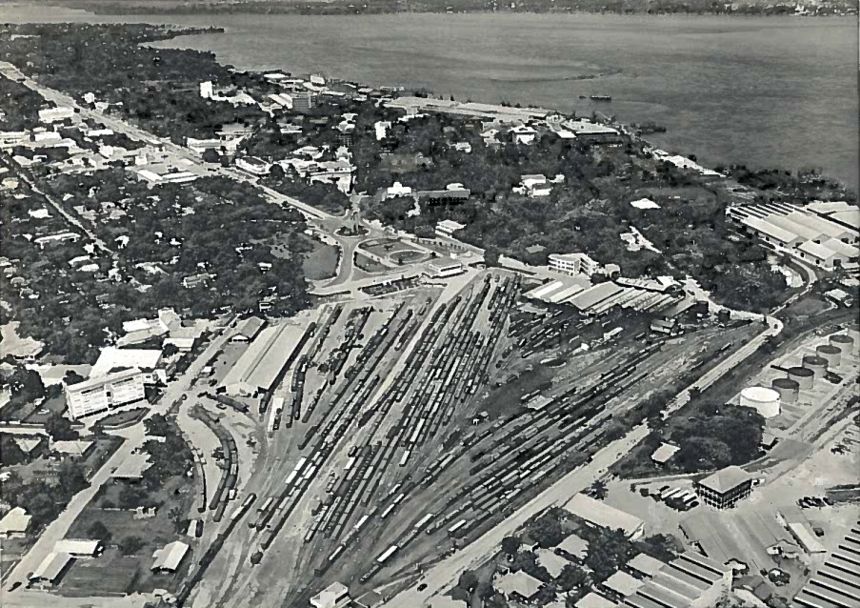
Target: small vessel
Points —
{"points": [[601, 97]]}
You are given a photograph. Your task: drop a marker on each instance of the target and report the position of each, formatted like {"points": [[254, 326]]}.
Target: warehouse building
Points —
{"points": [[261, 367], [600, 515], [817, 234], [836, 584], [105, 392], [51, 569], [724, 488]]}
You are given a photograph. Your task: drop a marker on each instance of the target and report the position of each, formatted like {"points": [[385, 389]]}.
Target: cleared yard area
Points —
{"points": [[114, 572], [321, 261]]}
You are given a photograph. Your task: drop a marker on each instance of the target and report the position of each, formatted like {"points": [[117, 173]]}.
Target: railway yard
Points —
{"points": [[407, 425]]}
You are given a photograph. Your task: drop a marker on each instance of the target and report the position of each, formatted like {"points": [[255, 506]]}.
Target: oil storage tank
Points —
{"points": [[764, 400], [831, 354], [803, 376], [787, 388], [816, 364], [844, 342]]}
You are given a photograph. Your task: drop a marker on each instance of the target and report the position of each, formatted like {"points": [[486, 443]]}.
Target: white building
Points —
{"points": [[448, 227], [15, 523], [253, 165], [168, 558], [105, 392], [573, 263], [50, 115], [522, 134], [600, 515], [335, 595], [206, 90], [444, 267]]}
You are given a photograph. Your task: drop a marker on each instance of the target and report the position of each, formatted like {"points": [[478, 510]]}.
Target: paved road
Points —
{"points": [[134, 439], [121, 126], [444, 574]]}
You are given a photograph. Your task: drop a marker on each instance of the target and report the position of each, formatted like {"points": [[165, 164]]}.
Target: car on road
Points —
{"points": [[422, 587]]}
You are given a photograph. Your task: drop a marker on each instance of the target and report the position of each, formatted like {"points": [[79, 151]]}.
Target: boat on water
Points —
{"points": [[601, 97]]}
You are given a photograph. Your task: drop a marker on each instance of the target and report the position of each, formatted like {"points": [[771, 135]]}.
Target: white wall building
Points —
{"points": [[98, 394], [573, 263]]}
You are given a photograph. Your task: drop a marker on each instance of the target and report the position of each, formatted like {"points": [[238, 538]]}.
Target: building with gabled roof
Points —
{"points": [[264, 362], [169, 557], [15, 523], [517, 585], [51, 569]]}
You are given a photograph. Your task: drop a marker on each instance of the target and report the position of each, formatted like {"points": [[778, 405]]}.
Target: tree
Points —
{"points": [[511, 544], [10, 452], [159, 425], [210, 155], [598, 489], [572, 577], [546, 530], [468, 581], [99, 531], [130, 545], [60, 428], [72, 377], [169, 350]]}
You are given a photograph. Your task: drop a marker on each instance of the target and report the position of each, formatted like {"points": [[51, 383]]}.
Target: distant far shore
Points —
{"points": [[378, 7]]}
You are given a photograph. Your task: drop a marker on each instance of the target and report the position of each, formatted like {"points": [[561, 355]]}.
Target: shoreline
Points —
{"points": [[283, 9]]}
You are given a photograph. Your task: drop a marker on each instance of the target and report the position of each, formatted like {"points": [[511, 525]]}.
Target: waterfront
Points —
{"points": [[768, 92]]}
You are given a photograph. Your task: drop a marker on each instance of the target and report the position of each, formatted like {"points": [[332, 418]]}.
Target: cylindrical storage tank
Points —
{"points": [[831, 354], [842, 341], [804, 377], [816, 364], [764, 400], [787, 388]]}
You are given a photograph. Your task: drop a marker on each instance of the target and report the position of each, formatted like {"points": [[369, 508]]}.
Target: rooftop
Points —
{"points": [[170, 556], [622, 583], [725, 479], [15, 522], [51, 567], [521, 583], [112, 357], [601, 514]]}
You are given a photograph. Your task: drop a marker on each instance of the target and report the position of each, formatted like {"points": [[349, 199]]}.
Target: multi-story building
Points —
{"points": [[105, 392], [573, 263], [724, 488]]}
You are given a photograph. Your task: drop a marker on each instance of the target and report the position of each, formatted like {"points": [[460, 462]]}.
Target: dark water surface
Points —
{"points": [[776, 91]]}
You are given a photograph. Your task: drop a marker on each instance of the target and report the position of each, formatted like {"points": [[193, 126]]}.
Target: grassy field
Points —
{"points": [[114, 573], [367, 265], [123, 418], [321, 261]]}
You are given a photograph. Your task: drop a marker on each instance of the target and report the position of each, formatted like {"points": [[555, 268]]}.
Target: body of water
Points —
{"points": [[768, 92]]}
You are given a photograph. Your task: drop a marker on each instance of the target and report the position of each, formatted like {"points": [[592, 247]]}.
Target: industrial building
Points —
{"points": [[688, 581], [724, 488], [600, 515], [105, 392], [836, 583], [595, 300], [821, 234], [335, 595], [261, 366], [51, 569]]}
